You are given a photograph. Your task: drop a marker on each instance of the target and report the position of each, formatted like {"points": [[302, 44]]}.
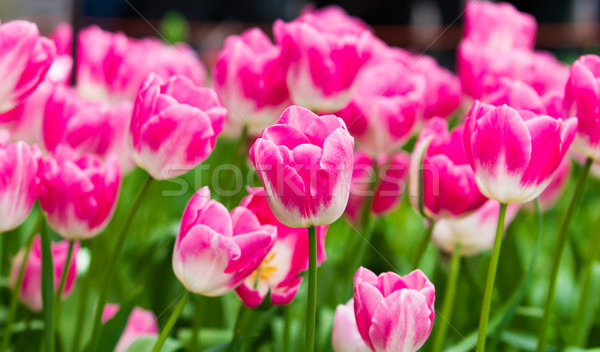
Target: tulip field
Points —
{"points": [[312, 189]]}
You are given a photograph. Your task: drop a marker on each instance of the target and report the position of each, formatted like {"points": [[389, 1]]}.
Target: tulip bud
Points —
{"points": [[345, 336]]}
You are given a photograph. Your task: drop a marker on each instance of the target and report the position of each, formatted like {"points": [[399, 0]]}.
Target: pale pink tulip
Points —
{"points": [[25, 58], [279, 272], [250, 79], [174, 125], [345, 336], [393, 312], [141, 323], [19, 165], [305, 163], [30, 293], [215, 250], [514, 153], [79, 193]]}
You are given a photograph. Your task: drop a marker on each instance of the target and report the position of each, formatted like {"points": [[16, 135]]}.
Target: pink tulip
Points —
{"points": [[62, 36], [345, 336], [215, 250], [112, 66], [383, 111], [305, 163], [250, 78], [582, 99], [18, 184], [323, 51], [30, 293], [391, 183], [174, 125], [474, 232], [499, 25], [87, 127], [25, 57], [279, 272], [514, 153], [141, 323], [522, 96], [79, 193], [393, 312], [449, 187]]}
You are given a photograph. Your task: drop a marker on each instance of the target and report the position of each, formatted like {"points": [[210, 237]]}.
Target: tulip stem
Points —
{"points": [[423, 244], [448, 304], [112, 260], [560, 246], [47, 287], [230, 181], [311, 312], [84, 285], [198, 313], [14, 299], [61, 285], [238, 328], [489, 283], [170, 323]]}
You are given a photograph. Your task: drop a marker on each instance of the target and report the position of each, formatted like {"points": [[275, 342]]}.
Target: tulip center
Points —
{"points": [[265, 270]]}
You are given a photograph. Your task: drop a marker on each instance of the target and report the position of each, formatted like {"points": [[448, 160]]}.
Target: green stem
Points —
{"points": [[423, 244], [311, 312], [489, 283], [448, 304], [14, 299], [61, 285], [560, 246], [47, 287], [170, 323], [234, 161], [238, 328], [196, 323], [112, 261], [84, 284], [287, 327]]}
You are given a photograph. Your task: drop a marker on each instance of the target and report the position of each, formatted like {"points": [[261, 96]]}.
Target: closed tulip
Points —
{"points": [[345, 336], [215, 250], [305, 163], [514, 153], [19, 164], [141, 323], [25, 58], [279, 272], [393, 312], [449, 187], [250, 78], [79, 193], [323, 51], [30, 293], [174, 125]]}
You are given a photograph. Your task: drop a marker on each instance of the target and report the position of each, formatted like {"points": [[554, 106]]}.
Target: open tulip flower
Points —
{"points": [[514, 153], [449, 187], [25, 58], [79, 193], [19, 165], [323, 52], [345, 336], [305, 163], [215, 250], [30, 293], [393, 312], [250, 78], [141, 323], [279, 272], [174, 125]]}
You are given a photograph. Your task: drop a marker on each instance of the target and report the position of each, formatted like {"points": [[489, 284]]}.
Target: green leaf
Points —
{"points": [[519, 340], [218, 348], [113, 329], [47, 287], [145, 344]]}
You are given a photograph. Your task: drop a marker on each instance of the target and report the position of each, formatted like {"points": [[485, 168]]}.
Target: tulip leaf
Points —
{"points": [[145, 344], [47, 287], [113, 328]]}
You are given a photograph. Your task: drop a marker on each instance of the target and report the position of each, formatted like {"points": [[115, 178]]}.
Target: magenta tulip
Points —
{"points": [[30, 293], [514, 153], [215, 250], [393, 312], [141, 323], [449, 187], [279, 272], [250, 79], [25, 57], [305, 163], [174, 125], [391, 183], [79, 193], [19, 164], [323, 52], [345, 336]]}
